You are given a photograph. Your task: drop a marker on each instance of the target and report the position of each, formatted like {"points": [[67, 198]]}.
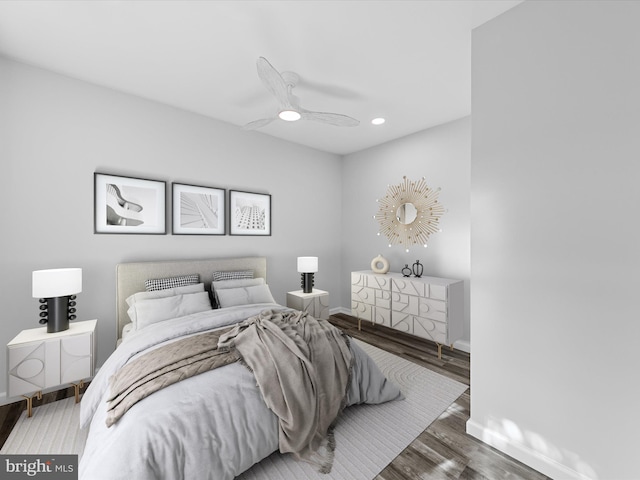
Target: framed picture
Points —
{"points": [[249, 213], [198, 210], [129, 205]]}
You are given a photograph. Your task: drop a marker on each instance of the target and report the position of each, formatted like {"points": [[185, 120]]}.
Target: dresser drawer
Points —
{"points": [[363, 294], [382, 316], [438, 292], [402, 321], [407, 304], [409, 287], [371, 280], [362, 310], [430, 329], [433, 309], [383, 299]]}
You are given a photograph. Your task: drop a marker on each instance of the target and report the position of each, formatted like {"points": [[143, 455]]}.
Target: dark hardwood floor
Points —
{"points": [[442, 451]]}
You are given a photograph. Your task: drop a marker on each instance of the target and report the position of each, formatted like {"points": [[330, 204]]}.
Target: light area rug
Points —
{"points": [[54, 428], [368, 437]]}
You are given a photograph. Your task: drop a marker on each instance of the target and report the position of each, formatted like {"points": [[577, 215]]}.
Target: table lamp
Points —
{"points": [[307, 266], [56, 289]]}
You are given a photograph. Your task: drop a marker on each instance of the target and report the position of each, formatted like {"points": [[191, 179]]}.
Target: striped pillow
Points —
{"points": [[171, 282], [217, 276]]}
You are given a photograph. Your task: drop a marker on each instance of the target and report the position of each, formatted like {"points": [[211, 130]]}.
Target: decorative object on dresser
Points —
{"points": [[380, 264], [418, 269], [56, 289], [129, 205], [249, 213], [409, 213], [39, 360], [428, 307], [315, 303], [406, 271], [307, 266], [198, 210]]}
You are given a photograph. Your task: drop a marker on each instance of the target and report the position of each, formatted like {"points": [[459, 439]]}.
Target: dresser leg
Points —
{"points": [[29, 400], [439, 351], [76, 388]]}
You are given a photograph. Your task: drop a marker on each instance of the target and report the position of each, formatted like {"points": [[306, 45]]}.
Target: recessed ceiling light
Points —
{"points": [[289, 115], [378, 121]]}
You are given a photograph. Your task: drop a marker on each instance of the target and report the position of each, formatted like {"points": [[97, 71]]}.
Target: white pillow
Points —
{"points": [[155, 310], [167, 292], [229, 297], [217, 285]]}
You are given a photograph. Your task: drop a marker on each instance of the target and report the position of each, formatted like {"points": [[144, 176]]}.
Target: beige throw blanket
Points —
{"points": [[302, 366], [164, 366]]}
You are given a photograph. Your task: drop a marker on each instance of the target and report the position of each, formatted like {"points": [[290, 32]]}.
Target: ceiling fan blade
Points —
{"points": [[336, 119], [258, 123], [274, 82]]}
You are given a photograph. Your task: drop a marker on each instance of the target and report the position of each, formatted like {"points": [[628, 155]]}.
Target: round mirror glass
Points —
{"points": [[406, 213]]}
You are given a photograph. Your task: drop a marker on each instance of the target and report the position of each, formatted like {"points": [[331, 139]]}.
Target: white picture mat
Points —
{"points": [[150, 194], [211, 205]]}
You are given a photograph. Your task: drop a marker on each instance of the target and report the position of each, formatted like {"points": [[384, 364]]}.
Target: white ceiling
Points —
{"points": [[408, 61]]}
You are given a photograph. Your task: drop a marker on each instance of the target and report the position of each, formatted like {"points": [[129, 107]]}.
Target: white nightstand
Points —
{"points": [[37, 360], [315, 303]]}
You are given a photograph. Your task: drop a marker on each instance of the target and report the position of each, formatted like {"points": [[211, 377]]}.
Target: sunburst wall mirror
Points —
{"points": [[409, 213]]}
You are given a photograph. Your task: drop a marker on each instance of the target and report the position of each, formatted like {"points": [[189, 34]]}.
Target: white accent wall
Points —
{"points": [[555, 205], [441, 155], [55, 132]]}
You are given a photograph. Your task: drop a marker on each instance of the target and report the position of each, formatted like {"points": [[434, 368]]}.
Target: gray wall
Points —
{"points": [[56, 132], [442, 156], [554, 234]]}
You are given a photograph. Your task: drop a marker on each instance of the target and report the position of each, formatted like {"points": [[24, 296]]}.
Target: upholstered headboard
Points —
{"points": [[130, 277]]}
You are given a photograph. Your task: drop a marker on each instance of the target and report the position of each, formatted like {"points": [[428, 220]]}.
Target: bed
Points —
{"points": [[218, 422]]}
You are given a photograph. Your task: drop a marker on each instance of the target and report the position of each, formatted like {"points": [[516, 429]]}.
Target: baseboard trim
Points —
{"points": [[523, 453], [337, 310], [462, 345]]}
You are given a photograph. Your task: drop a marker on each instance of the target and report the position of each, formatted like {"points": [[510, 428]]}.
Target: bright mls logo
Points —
{"points": [[50, 467]]}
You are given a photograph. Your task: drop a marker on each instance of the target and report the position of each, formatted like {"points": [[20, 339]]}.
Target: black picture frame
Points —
{"points": [[129, 205], [249, 213]]}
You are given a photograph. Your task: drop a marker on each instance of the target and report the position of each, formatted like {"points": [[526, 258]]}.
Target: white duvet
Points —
{"points": [[211, 426]]}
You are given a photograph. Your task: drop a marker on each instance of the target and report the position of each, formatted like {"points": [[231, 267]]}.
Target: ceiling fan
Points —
{"points": [[281, 86]]}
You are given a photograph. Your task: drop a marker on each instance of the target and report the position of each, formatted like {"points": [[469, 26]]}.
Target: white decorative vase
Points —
{"points": [[380, 264]]}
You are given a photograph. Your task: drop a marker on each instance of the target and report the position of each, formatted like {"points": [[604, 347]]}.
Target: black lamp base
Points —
{"points": [[58, 308], [57, 312], [307, 282]]}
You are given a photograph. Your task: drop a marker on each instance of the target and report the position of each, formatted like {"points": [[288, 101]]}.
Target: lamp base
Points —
{"points": [[58, 308], [307, 282]]}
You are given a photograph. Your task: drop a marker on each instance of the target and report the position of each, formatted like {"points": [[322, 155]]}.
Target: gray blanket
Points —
{"points": [[302, 367], [164, 366]]}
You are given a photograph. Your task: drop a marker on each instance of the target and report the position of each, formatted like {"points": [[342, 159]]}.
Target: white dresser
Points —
{"points": [[428, 307]]}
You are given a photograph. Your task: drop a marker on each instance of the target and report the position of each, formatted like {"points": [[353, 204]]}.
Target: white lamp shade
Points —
{"points": [[307, 264], [57, 282]]}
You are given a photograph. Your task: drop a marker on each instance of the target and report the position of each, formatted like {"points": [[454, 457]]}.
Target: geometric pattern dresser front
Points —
{"points": [[427, 307]]}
